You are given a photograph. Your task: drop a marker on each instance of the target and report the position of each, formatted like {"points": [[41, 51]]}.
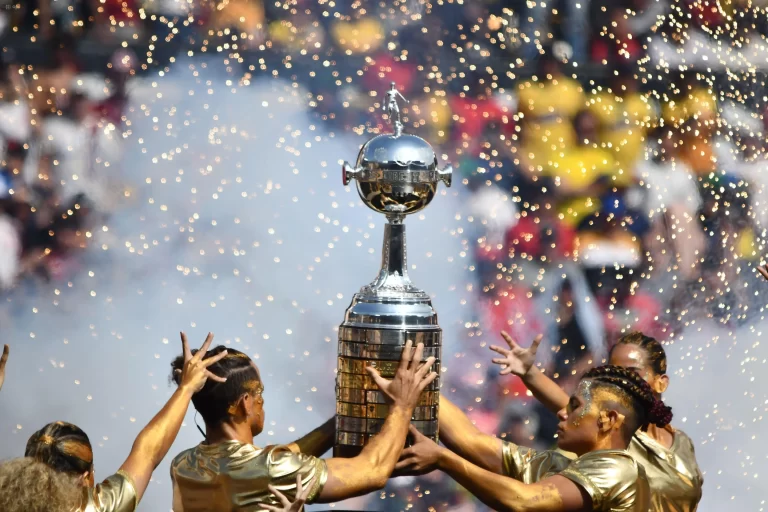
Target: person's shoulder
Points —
{"points": [[278, 453], [183, 455], [618, 460], [606, 475], [280, 460], [683, 442], [682, 436]]}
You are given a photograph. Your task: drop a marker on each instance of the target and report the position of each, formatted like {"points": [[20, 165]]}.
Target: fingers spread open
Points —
{"points": [[305, 493], [403, 464], [499, 360], [417, 355], [427, 381], [206, 344], [279, 496], [509, 340], [405, 358], [212, 360], [214, 377], [185, 347], [376, 376], [499, 350], [424, 368], [535, 344]]}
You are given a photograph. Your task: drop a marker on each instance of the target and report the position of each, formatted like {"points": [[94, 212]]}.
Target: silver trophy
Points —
{"points": [[396, 174]]}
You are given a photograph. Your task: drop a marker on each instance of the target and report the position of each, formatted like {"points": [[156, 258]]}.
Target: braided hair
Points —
{"points": [[657, 357], [647, 408], [63, 447], [214, 400]]}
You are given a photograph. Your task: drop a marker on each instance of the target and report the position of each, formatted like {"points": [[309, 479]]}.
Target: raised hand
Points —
{"points": [[763, 269], [410, 379], [286, 505], [3, 360], [516, 360], [195, 372], [419, 458]]}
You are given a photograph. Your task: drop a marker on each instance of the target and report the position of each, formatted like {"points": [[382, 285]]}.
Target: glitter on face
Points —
{"points": [[585, 392]]}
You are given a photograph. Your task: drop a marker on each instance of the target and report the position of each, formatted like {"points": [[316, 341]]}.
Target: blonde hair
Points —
{"points": [[31, 486]]}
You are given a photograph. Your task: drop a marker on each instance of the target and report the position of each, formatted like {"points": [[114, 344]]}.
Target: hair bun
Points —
{"points": [[660, 414], [177, 366]]}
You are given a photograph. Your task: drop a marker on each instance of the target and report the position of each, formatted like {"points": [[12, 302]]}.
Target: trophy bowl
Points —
{"points": [[396, 173]]}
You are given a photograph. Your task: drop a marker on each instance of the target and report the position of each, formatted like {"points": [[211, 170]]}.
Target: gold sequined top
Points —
{"points": [[115, 494], [672, 472], [612, 478], [233, 476]]}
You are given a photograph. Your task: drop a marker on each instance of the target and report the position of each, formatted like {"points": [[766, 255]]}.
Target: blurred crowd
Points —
{"points": [[58, 131], [611, 161]]}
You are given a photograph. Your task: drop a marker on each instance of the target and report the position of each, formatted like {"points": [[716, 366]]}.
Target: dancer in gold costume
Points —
{"points": [[67, 449], [666, 453], [597, 424], [227, 472]]}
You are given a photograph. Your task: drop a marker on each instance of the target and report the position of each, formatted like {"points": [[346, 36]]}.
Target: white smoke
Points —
{"points": [[240, 226]]}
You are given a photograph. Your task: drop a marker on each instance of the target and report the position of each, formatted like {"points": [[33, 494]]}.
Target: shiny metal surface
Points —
{"points": [[362, 396], [396, 175], [389, 337], [347, 349]]}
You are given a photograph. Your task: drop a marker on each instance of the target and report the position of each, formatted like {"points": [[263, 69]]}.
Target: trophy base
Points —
{"points": [[373, 335]]}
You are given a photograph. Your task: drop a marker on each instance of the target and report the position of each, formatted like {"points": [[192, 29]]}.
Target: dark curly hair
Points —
{"points": [[657, 357], [214, 400], [646, 408], [63, 447]]}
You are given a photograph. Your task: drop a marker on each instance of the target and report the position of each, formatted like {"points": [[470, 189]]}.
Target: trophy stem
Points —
{"points": [[394, 258], [393, 275]]}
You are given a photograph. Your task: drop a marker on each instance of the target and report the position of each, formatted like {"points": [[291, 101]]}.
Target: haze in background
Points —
{"points": [[238, 223]]}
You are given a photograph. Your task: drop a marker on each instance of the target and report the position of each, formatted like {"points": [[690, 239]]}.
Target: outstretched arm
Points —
{"points": [[317, 442], [553, 494], [154, 441], [459, 434], [401, 96], [520, 361], [370, 470], [497, 491]]}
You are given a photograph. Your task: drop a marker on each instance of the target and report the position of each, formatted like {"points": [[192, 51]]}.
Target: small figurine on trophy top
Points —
{"points": [[392, 108]]}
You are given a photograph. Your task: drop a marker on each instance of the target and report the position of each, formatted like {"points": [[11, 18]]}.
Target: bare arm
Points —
{"points": [[553, 494], [154, 441], [317, 442], [545, 390], [520, 361], [370, 470], [459, 434]]}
